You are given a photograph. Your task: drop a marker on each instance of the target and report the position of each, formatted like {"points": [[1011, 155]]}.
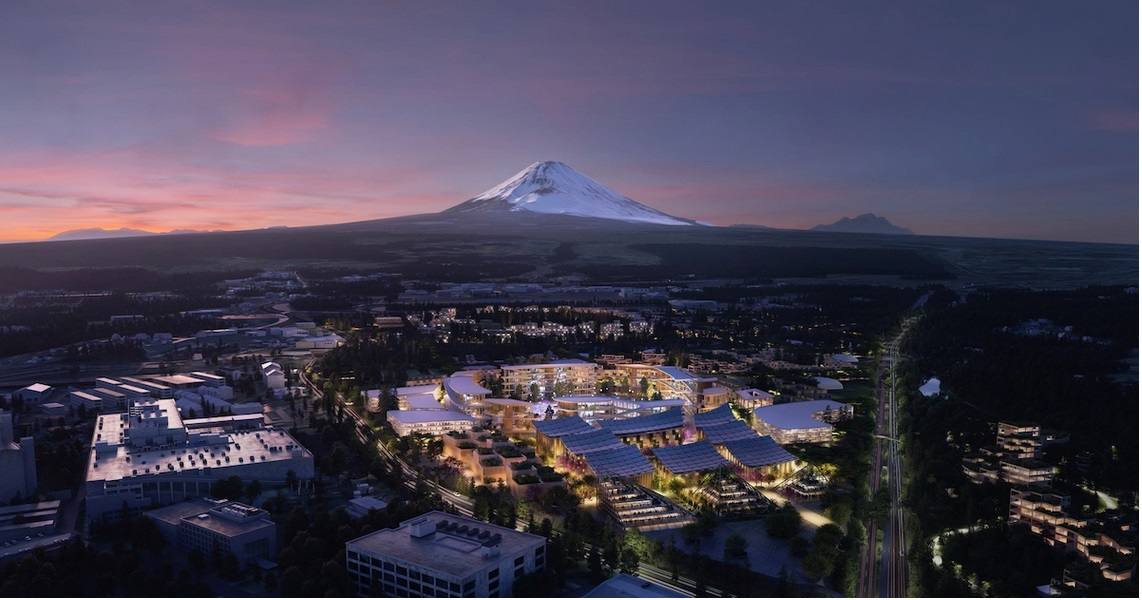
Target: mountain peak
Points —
{"points": [[866, 223], [553, 187]]}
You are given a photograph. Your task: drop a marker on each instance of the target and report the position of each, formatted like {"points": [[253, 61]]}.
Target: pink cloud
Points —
{"points": [[274, 117], [1125, 121]]}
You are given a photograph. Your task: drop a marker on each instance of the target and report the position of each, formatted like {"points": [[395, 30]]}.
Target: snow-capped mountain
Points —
{"points": [[551, 187], [866, 223]]}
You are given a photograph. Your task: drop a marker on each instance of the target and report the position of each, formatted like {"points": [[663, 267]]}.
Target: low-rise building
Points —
{"points": [[438, 555], [630, 586], [571, 377], [17, 462], [751, 398], [218, 526], [148, 457], [650, 431], [810, 421], [1108, 541], [430, 422]]}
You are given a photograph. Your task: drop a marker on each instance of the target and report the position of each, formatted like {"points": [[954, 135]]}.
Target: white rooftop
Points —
{"points": [[797, 415], [426, 416]]}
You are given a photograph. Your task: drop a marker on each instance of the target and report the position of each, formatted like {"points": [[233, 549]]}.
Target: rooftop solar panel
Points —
{"points": [[623, 461], [721, 414], [725, 432], [699, 456], [556, 428], [758, 452], [590, 441], [667, 419]]}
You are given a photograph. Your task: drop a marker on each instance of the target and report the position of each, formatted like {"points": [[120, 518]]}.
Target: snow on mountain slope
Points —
{"points": [[551, 187]]}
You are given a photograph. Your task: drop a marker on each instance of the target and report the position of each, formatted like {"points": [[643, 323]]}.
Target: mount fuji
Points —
{"points": [[551, 187]]}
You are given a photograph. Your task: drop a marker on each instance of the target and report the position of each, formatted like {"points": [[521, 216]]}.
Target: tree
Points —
{"points": [[229, 488], [783, 523], [595, 565], [735, 549], [253, 490]]}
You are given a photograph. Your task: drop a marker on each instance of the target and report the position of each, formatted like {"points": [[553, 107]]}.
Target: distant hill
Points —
{"points": [[866, 223], [98, 233], [752, 226]]}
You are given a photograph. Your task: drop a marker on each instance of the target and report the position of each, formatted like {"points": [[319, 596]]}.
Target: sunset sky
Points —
{"points": [[998, 119]]}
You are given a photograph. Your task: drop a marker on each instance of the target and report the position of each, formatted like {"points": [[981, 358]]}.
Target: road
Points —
{"points": [[464, 505], [884, 568]]}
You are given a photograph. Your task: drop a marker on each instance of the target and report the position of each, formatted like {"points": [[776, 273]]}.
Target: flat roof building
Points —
{"points": [[624, 585], [148, 457], [438, 555], [17, 462], [212, 526], [570, 377], [431, 422]]}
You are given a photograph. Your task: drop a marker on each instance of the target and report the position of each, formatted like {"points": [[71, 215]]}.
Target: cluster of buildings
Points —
{"points": [[150, 456], [195, 394], [1108, 540], [1014, 459], [678, 427]]}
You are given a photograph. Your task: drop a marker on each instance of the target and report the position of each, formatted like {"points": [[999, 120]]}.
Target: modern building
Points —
{"points": [[274, 376], [17, 462], [215, 527], [148, 457], [714, 396], [1025, 471], [442, 555], [637, 507], [829, 384], [1109, 541], [549, 434], [512, 417], [1014, 458], [810, 421], [688, 461], [624, 585], [1019, 440], [594, 408], [430, 422], [651, 431], [570, 377], [751, 398], [758, 458], [417, 402], [34, 393], [676, 382], [22, 521], [463, 394]]}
